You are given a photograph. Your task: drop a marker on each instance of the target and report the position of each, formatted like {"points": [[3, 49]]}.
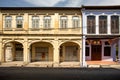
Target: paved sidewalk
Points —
{"points": [[90, 64]]}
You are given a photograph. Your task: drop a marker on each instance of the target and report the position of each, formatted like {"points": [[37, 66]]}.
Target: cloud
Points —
{"points": [[70, 3], [55, 3], [43, 2], [63, 3], [14, 3], [101, 2]]}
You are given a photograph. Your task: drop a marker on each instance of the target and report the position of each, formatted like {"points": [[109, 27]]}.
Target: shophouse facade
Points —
{"points": [[59, 36], [49, 35], [101, 32]]}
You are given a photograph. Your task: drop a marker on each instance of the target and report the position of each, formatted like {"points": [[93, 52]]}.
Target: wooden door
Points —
{"points": [[96, 52]]}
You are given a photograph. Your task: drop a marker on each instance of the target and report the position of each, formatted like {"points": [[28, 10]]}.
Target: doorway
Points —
{"points": [[71, 53], [96, 52]]}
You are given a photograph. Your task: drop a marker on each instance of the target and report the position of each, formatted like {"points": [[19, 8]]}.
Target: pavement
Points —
{"points": [[37, 73], [90, 64]]}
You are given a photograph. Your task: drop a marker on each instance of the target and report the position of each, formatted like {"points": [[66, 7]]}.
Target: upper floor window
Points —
{"points": [[19, 22], [8, 22], [91, 24], [47, 22], [114, 24], [103, 24], [75, 21], [63, 22], [35, 22]]}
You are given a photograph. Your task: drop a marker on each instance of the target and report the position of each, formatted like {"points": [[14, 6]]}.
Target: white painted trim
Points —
{"points": [[103, 58], [88, 58], [97, 24], [119, 24], [108, 24], [119, 50]]}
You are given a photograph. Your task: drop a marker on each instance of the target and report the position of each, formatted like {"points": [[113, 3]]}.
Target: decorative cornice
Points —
{"points": [[41, 35]]}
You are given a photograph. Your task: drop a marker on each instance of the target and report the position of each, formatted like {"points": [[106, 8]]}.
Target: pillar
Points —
{"points": [[119, 24], [26, 21], [1, 22], [114, 52], [56, 23], [109, 25], [26, 52], [83, 64], [56, 20], [97, 24], [13, 22], [56, 54], [119, 50], [80, 56], [1, 51], [84, 25]]}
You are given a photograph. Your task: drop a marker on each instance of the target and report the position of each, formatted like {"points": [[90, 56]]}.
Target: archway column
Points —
{"points": [[1, 51], [56, 54], [80, 55], [26, 52]]}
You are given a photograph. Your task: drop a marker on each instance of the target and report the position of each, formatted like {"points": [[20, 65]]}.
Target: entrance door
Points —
{"points": [[96, 52], [71, 53], [41, 53]]}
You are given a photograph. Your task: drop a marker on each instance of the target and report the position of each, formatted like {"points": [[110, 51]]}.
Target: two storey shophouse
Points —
{"points": [[51, 36], [101, 32]]}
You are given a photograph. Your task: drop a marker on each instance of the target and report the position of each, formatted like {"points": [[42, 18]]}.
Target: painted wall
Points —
{"points": [[98, 13]]}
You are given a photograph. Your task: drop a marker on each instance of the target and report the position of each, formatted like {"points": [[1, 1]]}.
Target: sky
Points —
{"points": [[55, 3]]}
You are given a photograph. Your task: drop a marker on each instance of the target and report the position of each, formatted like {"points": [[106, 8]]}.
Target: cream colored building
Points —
{"points": [[52, 36]]}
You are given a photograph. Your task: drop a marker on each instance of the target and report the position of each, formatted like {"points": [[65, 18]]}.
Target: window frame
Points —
{"points": [[19, 22], [114, 24], [87, 46], [8, 22], [103, 24], [47, 22], [35, 19], [76, 21], [107, 46], [91, 24], [63, 22]]}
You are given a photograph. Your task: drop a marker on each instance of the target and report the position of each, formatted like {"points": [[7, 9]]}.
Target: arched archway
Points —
{"points": [[13, 51], [69, 51], [41, 51]]}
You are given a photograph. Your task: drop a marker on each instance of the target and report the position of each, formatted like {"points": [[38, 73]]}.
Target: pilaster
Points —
{"points": [[26, 21], [1, 22], [56, 20], [1, 51], [119, 24], [97, 24], [84, 20], [80, 56], [56, 54], [109, 25], [26, 52]]}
